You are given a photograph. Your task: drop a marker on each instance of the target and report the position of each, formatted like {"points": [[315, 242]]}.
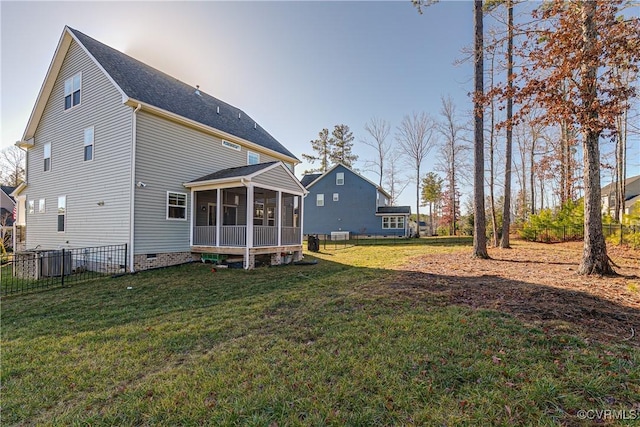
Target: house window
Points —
{"points": [[47, 156], [41, 207], [176, 205], [72, 91], [253, 158], [62, 213], [336, 197], [319, 199], [393, 222], [340, 178], [88, 144], [31, 206]]}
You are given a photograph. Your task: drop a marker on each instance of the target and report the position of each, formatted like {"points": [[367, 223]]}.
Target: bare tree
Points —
{"points": [[452, 154], [12, 166], [378, 129], [415, 138], [394, 181]]}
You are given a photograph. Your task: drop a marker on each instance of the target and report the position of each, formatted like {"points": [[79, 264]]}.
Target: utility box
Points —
{"points": [[313, 244]]}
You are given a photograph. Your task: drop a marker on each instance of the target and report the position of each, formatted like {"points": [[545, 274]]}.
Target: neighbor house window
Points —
{"points": [[393, 222], [88, 144], [41, 207], [72, 91], [336, 197], [320, 200], [176, 205], [47, 156], [340, 178], [62, 212], [253, 158], [31, 206]]}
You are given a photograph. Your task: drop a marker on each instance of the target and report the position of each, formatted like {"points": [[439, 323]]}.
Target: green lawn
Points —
{"points": [[328, 344]]}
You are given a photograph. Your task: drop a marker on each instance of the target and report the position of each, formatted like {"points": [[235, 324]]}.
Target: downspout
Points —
{"points": [[14, 228], [133, 187]]}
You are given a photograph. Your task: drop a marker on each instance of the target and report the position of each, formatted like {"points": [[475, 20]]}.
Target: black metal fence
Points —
{"points": [[44, 269], [326, 241], [614, 233]]}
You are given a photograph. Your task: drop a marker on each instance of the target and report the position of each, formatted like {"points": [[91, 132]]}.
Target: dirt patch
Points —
{"points": [[538, 283]]}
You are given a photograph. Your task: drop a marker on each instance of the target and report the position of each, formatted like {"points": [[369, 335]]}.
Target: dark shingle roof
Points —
{"points": [[8, 190], [394, 210], [309, 178], [144, 83], [234, 172]]}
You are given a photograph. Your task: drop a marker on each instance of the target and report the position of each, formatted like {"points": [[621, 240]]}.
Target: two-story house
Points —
{"points": [[631, 195], [119, 152], [342, 201]]}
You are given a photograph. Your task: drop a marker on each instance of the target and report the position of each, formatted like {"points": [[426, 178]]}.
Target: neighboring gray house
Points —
{"points": [[631, 195], [119, 152], [7, 204], [341, 201]]}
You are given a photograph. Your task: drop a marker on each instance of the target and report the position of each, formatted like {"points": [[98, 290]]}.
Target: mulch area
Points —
{"points": [[538, 283]]}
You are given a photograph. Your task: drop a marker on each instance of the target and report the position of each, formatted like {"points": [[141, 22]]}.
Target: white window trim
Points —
{"points": [[65, 213], [65, 91], [42, 208], [93, 143], [339, 178], [397, 219], [31, 206], [185, 206], [319, 199], [336, 197], [249, 154]]}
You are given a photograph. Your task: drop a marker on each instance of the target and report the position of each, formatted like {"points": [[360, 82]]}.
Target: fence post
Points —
{"points": [[621, 234], [126, 258], [564, 233], [62, 268]]}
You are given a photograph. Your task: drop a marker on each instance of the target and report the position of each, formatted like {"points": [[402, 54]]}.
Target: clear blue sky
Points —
{"points": [[295, 67]]}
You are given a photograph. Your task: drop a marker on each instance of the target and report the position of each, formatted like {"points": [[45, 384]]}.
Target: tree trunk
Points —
{"points": [[479, 224], [506, 208], [418, 198], [594, 255]]}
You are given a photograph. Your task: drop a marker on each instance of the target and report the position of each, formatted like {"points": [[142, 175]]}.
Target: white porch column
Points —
{"points": [[249, 243], [193, 224], [300, 217], [278, 214], [219, 209]]}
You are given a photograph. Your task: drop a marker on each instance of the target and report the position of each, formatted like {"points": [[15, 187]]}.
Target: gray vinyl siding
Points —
{"points": [[104, 179], [168, 155], [278, 178]]}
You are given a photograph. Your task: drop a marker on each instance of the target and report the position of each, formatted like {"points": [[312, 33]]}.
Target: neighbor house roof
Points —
{"points": [[611, 187], [391, 210], [309, 178], [7, 190], [140, 83]]}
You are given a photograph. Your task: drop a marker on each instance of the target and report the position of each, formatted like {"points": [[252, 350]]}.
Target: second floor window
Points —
{"points": [[319, 199], [340, 178], [47, 156], [253, 158], [88, 144], [72, 91]]}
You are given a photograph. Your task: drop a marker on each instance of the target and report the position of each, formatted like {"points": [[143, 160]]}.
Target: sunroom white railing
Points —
{"points": [[233, 235], [204, 235], [264, 235]]}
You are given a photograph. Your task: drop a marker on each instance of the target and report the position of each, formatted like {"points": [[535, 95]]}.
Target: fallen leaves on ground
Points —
{"points": [[538, 283]]}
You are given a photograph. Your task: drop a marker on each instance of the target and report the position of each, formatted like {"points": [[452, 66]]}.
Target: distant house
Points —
{"points": [[119, 152], [342, 201], [7, 205], [631, 195]]}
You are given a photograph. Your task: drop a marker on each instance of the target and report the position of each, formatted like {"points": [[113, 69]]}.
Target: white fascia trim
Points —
{"points": [[210, 130]]}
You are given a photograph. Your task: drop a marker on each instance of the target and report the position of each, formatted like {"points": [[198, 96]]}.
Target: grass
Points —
{"points": [[330, 344]]}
